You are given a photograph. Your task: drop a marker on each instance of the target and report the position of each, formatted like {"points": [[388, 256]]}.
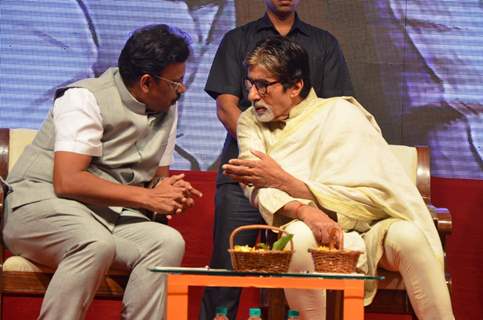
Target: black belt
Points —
{"points": [[155, 216]]}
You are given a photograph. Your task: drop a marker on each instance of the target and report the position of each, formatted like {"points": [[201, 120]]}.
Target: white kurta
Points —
{"points": [[336, 148]]}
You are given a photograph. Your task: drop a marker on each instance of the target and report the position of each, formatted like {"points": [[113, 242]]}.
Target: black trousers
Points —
{"points": [[232, 210]]}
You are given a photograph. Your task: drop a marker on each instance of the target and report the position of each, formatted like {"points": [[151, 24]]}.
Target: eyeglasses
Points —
{"points": [[260, 85], [176, 85]]}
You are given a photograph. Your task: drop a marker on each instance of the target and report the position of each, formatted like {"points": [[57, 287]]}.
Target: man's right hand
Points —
{"points": [[321, 225]]}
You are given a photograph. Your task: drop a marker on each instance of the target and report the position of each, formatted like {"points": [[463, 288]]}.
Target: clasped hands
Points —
{"points": [[261, 173], [172, 195]]}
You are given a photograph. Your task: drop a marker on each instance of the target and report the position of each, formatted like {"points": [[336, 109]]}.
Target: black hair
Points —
{"points": [[150, 49], [285, 59]]}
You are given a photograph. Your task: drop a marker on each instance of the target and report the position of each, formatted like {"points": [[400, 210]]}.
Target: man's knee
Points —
{"points": [[303, 239], [303, 236], [170, 247], [405, 236], [176, 241]]}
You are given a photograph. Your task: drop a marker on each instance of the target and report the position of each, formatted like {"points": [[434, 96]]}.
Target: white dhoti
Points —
{"points": [[405, 250]]}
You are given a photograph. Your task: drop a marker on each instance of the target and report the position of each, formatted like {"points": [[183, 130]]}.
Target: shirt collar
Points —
{"points": [[266, 23], [127, 98]]}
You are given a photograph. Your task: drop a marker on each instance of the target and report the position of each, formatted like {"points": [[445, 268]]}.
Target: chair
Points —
{"points": [[391, 297], [19, 276]]}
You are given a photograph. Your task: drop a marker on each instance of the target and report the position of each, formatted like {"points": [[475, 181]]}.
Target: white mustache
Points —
{"points": [[266, 115], [260, 104]]}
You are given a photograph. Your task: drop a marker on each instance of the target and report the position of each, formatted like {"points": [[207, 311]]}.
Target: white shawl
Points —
{"points": [[336, 147]]}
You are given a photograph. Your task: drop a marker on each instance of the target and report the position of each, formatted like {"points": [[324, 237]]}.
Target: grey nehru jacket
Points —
{"points": [[132, 145]]}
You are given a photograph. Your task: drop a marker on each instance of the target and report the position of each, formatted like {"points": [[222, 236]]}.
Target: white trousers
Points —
{"points": [[405, 250], [64, 235]]}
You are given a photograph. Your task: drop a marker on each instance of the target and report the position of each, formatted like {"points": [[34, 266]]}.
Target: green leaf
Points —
{"points": [[282, 242]]}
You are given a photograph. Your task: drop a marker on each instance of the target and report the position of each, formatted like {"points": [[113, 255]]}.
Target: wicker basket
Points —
{"points": [[335, 260], [271, 261]]}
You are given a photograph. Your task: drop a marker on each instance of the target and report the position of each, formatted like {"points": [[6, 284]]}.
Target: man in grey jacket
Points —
{"points": [[88, 193]]}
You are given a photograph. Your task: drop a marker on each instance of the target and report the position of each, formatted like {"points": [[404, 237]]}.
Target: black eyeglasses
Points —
{"points": [[260, 85], [176, 85]]}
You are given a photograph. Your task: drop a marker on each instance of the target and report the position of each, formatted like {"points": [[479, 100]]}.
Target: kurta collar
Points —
{"points": [[266, 23], [126, 97], [304, 105]]}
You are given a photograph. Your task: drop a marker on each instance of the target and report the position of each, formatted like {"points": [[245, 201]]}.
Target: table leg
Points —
{"points": [[177, 302], [354, 301]]}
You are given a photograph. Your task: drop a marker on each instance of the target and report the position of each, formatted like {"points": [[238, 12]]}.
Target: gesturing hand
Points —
{"points": [[262, 173], [321, 225]]}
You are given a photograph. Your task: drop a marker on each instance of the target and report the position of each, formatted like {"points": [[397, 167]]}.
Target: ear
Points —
{"points": [[146, 82], [297, 88]]}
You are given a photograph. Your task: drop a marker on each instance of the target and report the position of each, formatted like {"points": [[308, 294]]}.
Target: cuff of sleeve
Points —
{"points": [[250, 193], [165, 163], [79, 147], [214, 92], [271, 200]]}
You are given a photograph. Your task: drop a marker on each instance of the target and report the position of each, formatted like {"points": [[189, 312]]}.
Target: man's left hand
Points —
{"points": [[189, 192], [262, 173]]}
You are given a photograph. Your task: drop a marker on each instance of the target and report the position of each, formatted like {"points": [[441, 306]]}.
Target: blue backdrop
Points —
{"points": [[429, 58]]}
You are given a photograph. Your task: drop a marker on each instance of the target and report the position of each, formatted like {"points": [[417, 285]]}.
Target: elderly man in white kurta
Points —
{"points": [[316, 164]]}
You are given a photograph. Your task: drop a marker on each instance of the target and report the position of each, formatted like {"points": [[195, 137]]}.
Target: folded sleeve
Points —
{"points": [[78, 123], [270, 200]]}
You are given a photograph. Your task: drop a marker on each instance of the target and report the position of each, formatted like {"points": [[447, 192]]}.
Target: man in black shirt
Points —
{"points": [[329, 76]]}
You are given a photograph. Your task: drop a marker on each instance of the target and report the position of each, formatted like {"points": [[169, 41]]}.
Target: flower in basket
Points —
{"points": [[326, 248], [245, 248], [278, 245], [261, 257], [259, 247]]}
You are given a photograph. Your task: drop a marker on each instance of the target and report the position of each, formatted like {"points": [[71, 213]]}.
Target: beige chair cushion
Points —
{"points": [[20, 264], [17, 263], [19, 139]]}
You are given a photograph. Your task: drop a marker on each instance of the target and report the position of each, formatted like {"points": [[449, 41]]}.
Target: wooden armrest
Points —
{"points": [[442, 219], [2, 195], [2, 198]]}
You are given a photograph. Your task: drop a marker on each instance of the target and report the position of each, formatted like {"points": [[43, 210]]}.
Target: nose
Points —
{"points": [[182, 88], [253, 94]]}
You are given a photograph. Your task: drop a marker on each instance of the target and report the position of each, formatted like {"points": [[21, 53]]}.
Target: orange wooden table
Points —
{"points": [[179, 279]]}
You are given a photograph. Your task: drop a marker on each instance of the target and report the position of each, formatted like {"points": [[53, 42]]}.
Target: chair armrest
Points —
{"points": [[442, 219], [3, 193], [444, 224], [2, 196]]}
